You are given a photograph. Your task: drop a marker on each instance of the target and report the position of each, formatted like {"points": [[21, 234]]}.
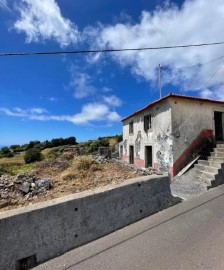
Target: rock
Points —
{"points": [[43, 183], [109, 179], [11, 185], [4, 195], [28, 196], [4, 204], [25, 188], [33, 186]]}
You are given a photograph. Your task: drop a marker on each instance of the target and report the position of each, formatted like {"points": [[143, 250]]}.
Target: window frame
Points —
{"points": [[147, 122], [131, 127]]}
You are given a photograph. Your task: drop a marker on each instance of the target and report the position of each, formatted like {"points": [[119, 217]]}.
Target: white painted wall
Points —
{"points": [[189, 118], [159, 137], [176, 123]]}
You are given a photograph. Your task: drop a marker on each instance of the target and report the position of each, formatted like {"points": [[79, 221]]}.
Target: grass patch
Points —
{"points": [[22, 168], [51, 152], [80, 167], [18, 159]]}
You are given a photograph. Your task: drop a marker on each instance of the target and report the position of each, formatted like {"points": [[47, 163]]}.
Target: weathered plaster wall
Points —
{"points": [[189, 118], [54, 227], [159, 137]]}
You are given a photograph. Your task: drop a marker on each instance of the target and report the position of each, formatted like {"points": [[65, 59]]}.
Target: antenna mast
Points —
{"points": [[160, 83]]}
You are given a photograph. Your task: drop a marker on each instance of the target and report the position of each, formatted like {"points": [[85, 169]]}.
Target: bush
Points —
{"points": [[33, 155], [53, 153]]}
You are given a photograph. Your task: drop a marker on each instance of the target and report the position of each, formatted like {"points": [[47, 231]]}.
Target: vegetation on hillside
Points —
{"points": [[22, 158], [7, 152]]}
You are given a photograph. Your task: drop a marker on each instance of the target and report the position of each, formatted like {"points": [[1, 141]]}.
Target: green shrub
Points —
{"points": [[53, 153], [33, 155]]}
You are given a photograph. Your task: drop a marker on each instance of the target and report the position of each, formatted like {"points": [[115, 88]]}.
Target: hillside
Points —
{"points": [[59, 173]]}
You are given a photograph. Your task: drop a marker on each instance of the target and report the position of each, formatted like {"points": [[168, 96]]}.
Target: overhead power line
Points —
{"points": [[200, 64], [109, 50], [211, 77]]}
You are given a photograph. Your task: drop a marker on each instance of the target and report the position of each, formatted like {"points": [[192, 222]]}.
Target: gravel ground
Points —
{"points": [[187, 186]]}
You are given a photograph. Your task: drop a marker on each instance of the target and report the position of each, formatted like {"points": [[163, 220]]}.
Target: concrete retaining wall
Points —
{"points": [[42, 231]]}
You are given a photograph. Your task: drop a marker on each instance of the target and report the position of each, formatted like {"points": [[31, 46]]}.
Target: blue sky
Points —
{"points": [[44, 97]]}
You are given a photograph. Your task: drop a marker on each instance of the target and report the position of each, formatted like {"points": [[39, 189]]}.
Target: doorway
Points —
{"points": [[148, 156], [131, 154], [121, 151], [218, 126]]}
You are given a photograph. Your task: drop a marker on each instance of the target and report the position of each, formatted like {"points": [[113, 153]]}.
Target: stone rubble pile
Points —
{"points": [[25, 184], [60, 165], [101, 159]]}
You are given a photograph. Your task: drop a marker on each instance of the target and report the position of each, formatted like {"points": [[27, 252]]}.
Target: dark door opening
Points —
{"points": [[131, 154], [148, 156], [218, 126], [121, 151]]}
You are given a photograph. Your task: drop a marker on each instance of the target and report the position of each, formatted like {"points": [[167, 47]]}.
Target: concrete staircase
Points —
{"points": [[210, 168]]}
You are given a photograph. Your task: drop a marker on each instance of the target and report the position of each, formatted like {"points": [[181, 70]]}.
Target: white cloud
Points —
{"points": [[112, 100], [38, 110], [91, 112], [206, 93], [23, 113], [106, 89], [197, 21], [42, 20], [52, 99], [81, 84]]}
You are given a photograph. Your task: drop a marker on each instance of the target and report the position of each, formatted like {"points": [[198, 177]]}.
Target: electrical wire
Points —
{"points": [[108, 50], [211, 77], [198, 65]]}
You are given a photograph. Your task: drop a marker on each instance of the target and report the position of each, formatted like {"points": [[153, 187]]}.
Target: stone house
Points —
{"points": [[169, 132]]}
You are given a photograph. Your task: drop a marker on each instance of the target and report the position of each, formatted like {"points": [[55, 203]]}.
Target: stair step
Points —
{"points": [[216, 159], [208, 175], [217, 154], [220, 145], [218, 150], [206, 168], [215, 164], [207, 181]]}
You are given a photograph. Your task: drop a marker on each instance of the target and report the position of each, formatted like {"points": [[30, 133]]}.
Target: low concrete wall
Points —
{"points": [[44, 230]]}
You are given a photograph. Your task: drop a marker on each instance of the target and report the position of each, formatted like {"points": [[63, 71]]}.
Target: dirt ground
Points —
{"points": [[65, 179]]}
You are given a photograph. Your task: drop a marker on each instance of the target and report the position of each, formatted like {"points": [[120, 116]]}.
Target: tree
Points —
{"points": [[32, 144], [15, 147], [6, 152], [32, 155], [70, 140]]}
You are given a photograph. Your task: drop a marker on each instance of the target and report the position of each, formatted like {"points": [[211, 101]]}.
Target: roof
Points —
{"points": [[173, 96]]}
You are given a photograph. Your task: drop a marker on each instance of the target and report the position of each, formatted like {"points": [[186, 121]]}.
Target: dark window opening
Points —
{"points": [[147, 122], [131, 128]]}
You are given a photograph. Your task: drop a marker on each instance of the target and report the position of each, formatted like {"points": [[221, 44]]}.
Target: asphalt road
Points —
{"points": [[187, 236]]}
